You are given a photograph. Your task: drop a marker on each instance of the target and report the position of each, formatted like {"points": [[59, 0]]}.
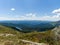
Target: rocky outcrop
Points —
{"points": [[56, 32], [33, 43]]}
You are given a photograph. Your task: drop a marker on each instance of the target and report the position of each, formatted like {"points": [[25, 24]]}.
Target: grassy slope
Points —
{"points": [[8, 34], [41, 37]]}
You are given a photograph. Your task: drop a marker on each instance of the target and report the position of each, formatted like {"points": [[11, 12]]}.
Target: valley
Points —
{"points": [[29, 33]]}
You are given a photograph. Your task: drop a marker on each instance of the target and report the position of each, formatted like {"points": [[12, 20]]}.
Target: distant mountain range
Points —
{"points": [[58, 23], [28, 26]]}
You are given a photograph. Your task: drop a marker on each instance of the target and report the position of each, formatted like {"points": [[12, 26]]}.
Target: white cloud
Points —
{"points": [[12, 9], [57, 14], [56, 11], [33, 16], [30, 15]]}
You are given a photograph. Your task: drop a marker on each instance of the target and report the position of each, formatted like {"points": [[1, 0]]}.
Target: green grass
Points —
{"points": [[40, 37]]}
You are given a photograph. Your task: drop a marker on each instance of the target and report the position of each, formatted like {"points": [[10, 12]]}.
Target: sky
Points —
{"points": [[48, 10]]}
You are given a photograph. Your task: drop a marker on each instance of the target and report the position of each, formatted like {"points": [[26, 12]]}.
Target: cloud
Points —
{"points": [[29, 16], [12, 9], [34, 16], [57, 14], [56, 11]]}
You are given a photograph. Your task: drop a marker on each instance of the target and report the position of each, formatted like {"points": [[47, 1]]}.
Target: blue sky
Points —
{"points": [[30, 10]]}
